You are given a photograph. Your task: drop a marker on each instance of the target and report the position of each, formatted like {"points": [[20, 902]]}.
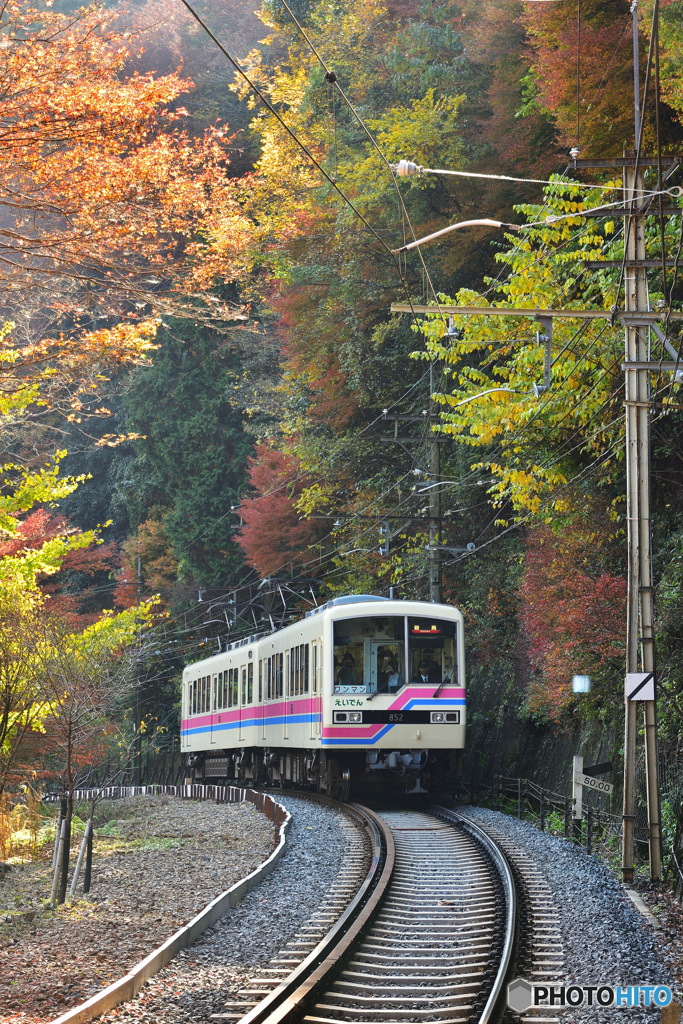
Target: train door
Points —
{"points": [[313, 695], [213, 704], [386, 666], [286, 695], [262, 677], [243, 700]]}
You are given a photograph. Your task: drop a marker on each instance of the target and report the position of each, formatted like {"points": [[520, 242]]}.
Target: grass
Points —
{"points": [[25, 828]]}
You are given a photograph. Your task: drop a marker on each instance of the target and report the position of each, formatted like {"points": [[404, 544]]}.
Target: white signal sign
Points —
{"points": [[592, 783], [640, 686]]}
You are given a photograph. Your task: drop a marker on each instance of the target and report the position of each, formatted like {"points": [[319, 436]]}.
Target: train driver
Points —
{"points": [[427, 671]]}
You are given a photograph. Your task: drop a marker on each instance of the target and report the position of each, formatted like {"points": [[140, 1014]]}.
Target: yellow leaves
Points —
{"points": [[572, 419]]}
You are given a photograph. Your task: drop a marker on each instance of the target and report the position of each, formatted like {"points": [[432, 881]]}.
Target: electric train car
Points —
{"points": [[363, 689]]}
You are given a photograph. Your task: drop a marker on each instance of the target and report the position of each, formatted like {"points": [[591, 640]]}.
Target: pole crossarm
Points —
{"points": [[621, 315]]}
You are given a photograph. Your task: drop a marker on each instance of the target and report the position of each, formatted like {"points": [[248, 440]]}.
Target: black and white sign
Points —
{"points": [[640, 686]]}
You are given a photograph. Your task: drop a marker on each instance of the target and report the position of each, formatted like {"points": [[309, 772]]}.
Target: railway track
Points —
{"points": [[427, 937]]}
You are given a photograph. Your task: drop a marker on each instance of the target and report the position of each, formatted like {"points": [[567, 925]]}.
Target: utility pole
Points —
{"points": [[138, 685], [639, 631], [434, 500], [429, 418]]}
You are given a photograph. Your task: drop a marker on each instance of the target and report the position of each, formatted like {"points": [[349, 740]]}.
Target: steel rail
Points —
{"points": [[283, 1003], [497, 992]]}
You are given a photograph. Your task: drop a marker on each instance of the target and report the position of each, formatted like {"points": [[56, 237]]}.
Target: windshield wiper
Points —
{"points": [[382, 689], [440, 687]]}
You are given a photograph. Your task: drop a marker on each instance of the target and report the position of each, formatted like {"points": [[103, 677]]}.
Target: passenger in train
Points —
{"points": [[347, 673], [387, 676], [428, 672]]}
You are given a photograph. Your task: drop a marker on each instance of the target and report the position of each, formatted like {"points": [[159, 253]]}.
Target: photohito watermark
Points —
{"points": [[523, 995]]}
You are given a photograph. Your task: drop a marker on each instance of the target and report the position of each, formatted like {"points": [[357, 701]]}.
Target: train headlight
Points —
{"points": [[437, 716], [355, 716]]}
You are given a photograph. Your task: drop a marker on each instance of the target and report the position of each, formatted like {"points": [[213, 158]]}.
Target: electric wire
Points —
{"points": [[578, 74], [331, 77], [639, 139], [295, 138]]}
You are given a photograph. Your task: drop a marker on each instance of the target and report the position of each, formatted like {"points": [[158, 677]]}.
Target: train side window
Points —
{"points": [[225, 690], [314, 667], [297, 670], [235, 687], [269, 678], [214, 688], [202, 694], [194, 697], [279, 669], [244, 686], [250, 683], [289, 672], [260, 681]]}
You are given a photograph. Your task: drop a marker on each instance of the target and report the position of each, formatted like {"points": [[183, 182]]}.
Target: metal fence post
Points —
{"points": [[519, 798], [542, 810], [567, 818], [589, 830], [495, 792]]}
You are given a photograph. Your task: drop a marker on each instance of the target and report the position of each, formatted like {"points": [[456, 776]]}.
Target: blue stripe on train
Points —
{"points": [[246, 722]]}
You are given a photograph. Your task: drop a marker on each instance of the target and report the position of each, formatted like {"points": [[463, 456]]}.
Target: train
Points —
{"points": [[363, 692]]}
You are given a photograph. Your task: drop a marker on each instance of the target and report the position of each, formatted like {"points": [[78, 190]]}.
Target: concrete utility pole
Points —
{"points": [[638, 319], [138, 687], [434, 500], [639, 630]]}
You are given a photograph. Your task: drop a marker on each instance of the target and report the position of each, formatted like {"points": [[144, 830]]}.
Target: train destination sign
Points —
{"points": [[581, 779]]}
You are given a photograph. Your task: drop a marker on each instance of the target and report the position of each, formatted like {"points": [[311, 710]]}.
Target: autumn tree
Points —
{"points": [[274, 535], [605, 118], [573, 615], [111, 213], [109, 206]]}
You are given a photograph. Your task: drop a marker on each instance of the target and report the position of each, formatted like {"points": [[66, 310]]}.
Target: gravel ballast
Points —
{"points": [[202, 978], [606, 940]]}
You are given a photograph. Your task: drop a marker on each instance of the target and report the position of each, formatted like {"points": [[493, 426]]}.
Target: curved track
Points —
{"points": [[428, 937]]}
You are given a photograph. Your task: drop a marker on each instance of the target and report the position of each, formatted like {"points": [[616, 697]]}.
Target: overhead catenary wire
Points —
{"points": [[578, 185]]}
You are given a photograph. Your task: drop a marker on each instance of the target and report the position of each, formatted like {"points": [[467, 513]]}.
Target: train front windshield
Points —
{"points": [[370, 653]]}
